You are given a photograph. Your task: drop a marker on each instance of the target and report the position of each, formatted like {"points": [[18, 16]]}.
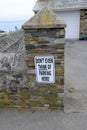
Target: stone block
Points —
{"points": [[59, 80], [30, 62], [31, 78]]}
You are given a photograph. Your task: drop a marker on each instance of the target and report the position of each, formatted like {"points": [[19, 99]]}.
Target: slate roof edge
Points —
{"points": [[65, 9]]}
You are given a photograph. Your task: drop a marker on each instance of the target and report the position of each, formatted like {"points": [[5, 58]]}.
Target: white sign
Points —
{"points": [[45, 69]]}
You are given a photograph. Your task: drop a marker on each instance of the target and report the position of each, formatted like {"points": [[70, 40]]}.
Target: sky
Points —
{"points": [[11, 10]]}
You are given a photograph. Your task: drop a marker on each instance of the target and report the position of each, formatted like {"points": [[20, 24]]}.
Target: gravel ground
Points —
{"points": [[76, 76], [14, 120]]}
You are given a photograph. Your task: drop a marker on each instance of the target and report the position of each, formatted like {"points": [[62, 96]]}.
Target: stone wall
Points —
{"points": [[83, 23], [12, 70], [18, 85], [45, 38], [48, 42]]}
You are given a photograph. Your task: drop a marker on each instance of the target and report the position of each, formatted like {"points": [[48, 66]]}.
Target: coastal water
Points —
{"points": [[11, 25]]}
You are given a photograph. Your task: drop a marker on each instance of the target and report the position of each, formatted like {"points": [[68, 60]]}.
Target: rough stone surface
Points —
{"points": [[12, 62], [13, 42], [83, 23]]}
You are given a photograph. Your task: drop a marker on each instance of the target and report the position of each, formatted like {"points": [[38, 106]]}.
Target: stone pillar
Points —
{"points": [[83, 23], [44, 42]]}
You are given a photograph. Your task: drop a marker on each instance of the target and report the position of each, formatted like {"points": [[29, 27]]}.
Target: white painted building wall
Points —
{"points": [[72, 19]]}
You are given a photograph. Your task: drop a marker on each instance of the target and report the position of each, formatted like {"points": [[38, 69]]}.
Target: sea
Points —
{"points": [[11, 25]]}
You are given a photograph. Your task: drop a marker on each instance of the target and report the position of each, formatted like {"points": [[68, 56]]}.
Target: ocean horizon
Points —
{"points": [[11, 25]]}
